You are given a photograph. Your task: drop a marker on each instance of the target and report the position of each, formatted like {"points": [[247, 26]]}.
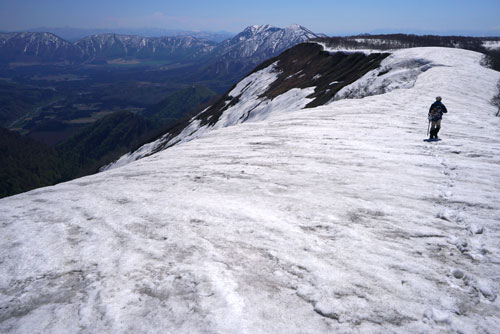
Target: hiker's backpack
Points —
{"points": [[436, 112]]}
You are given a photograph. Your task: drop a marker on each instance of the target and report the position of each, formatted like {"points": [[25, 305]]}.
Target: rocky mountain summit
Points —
{"points": [[264, 40]]}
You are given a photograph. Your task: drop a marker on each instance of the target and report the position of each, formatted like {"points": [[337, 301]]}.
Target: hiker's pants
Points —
{"points": [[435, 124]]}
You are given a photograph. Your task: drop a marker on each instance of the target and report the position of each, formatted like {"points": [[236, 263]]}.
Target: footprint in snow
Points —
{"points": [[433, 315], [475, 229], [480, 287], [462, 244], [445, 214], [487, 291], [458, 274]]}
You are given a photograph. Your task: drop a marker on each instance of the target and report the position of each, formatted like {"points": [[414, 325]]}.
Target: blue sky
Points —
{"points": [[331, 17]]}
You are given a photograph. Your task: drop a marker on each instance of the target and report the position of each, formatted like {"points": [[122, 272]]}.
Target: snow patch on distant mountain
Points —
{"points": [[44, 46], [114, 45]]}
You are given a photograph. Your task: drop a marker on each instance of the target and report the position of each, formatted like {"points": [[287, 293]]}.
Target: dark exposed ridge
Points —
{"points": [[308, 65]]}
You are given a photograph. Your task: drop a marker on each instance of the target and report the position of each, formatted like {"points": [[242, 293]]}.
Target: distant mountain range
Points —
{"points": [[75, 34], [111, 46], [254, 44], [47, 47]]}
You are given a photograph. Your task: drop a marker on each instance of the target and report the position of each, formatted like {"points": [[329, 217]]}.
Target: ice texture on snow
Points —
{"points": [[319, 220]]}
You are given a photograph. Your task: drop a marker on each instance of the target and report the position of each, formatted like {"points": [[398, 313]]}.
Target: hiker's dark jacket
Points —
{"points": [[440, 108]]}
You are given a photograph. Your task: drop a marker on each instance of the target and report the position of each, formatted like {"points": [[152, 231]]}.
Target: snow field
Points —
{"points": [[333, 219], [492, 45]]}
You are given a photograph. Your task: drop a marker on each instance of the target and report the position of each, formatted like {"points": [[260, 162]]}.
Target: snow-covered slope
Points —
{"points": [[332, 219]]}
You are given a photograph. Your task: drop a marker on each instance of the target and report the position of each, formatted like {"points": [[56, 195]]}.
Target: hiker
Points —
{"points": [[436, 112]]}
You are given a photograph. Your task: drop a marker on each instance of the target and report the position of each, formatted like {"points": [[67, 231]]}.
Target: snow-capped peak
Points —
{"points": [[294, 29], [260, 28], [252, 31], [299, 28], [264, 41]]}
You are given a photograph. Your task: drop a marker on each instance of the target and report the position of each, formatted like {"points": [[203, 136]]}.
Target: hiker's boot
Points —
{"points": [[436, 132]]}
